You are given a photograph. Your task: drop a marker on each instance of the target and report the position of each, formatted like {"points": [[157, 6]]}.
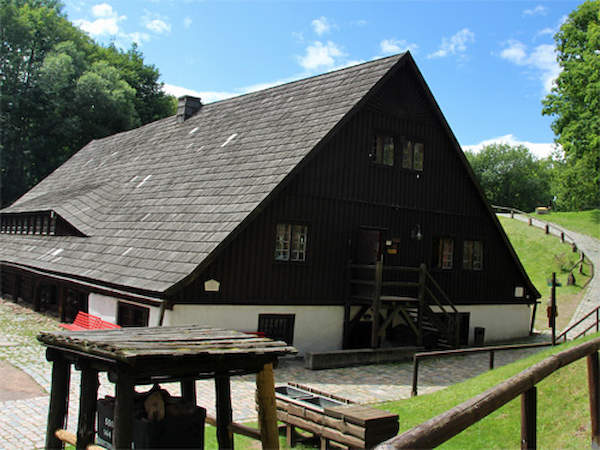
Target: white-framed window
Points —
{"points": [[383, 149], [443, 249], [413, 154], [473, 255], [290, 242]]}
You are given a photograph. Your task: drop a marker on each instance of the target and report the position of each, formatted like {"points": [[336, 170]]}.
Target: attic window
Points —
{"points": [[473, 255], [383, 149], [290, 242], [412, 155], [36, 223]]}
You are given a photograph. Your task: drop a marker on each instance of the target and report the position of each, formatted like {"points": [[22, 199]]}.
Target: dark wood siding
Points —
{"points": [[340, 190]]}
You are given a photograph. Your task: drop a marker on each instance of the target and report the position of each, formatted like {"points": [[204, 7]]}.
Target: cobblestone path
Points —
{"points": [[23, 422]]}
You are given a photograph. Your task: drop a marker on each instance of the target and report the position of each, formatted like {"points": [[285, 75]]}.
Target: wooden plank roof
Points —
{"points": [[156, 201], [134, 345]]}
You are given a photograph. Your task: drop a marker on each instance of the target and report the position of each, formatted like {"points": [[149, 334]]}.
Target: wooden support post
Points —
{"points": [[188, 391], [512, 214], [421, 294], [582, 261], [547, 229], [553, 308], [346, 335], [324, 443], [224, 414], [88, 397], [415, 380], [61, 303], [597, 320], [123, 424], [562, 236], [376, 304], [59, 400], [530, 222], [267, 411], [532, 323], [529, 419], [594, 390], [491, 359], [290, 435], [574, 247]]}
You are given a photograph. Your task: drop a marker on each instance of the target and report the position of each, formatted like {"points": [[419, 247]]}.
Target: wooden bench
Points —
{"points": [[85, 321]]}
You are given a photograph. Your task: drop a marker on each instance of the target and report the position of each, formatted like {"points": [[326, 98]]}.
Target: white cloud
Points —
{"points": [[456, 44], [547, 30], [139, 37], [102, 10], [539, 10], [158, 26], [321, 56], [542, 59], [206, 96], [321, 25], [298, 36], [187, 22], [539, 149], [106, 22], [389, 46]]}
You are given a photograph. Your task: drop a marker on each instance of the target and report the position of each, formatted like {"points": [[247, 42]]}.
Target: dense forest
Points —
{"points": [[60, 90]]}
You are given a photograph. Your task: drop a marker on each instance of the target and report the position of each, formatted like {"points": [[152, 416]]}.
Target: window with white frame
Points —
{"points": [[290, 242], [473, 255]]}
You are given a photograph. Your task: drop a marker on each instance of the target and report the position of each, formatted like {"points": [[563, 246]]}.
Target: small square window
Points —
{"points": [[290, 242]]}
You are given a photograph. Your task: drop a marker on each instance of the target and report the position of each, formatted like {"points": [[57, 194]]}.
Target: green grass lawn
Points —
{"points": [[586, 222], [541, 255], [563, 419]]}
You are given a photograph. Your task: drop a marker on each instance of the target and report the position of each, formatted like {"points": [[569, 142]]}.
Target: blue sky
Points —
{"points": [[488, 63]]}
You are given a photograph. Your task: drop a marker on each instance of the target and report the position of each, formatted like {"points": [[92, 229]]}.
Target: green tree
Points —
{"points": [[575, 105], [59, 90], [512, 176]]}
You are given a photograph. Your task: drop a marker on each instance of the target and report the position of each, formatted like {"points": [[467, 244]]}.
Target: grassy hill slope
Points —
{"points": [[586, 222]]}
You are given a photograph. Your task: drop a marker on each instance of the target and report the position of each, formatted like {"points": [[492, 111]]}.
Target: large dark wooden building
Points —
{"points": [[338, 210]]}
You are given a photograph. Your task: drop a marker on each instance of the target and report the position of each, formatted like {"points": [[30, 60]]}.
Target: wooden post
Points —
{"points": [[597, 319], [574, 247], [290, 435], [224, 414], [59, 399], [594, 391], [491, 359], [530, 222], [123, 423], [415, 380], [346, 335], [188, 391], [553, 308], [376, 304], [562, 236], [528, 419], [61, 303], [88, 397], [547, 229], [422, 275], [267, 412], [532, 323], [582, 261], [512, 214]]}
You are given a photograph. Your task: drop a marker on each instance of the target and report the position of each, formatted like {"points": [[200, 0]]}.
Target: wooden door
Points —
{"points": [[368, 246]]}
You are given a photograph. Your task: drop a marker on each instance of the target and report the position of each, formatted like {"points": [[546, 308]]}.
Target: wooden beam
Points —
{"points": [[421, 296], [59, 401], [70, 438], [88, 398], [267, 410], [593, 370], [376, 304], [188, 391], [224, 413], [123, 426]]}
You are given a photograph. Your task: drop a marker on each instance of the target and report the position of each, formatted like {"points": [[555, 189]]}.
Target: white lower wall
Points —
{"points": [[501, 322], [105, 307], [316, 328]]}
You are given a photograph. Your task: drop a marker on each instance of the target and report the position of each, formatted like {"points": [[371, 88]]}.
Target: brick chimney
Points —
{"points": [[187, 106]]}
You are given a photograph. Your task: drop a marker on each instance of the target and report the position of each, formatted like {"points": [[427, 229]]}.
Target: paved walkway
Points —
{"points": [[591, 248], [23, 422]]}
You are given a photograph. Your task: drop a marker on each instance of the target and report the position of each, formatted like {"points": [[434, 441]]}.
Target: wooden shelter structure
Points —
{"points": [[136, 356]]}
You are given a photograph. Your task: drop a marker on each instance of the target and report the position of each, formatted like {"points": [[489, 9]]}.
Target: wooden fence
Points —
{"points": [[447, 425]]}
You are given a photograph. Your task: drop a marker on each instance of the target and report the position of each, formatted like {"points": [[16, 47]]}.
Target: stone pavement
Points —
{"points": [[591, 248], [23, 422]]}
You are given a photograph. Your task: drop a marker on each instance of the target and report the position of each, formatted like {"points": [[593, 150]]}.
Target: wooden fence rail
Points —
{"points": [[447, 425], [466, 351]]}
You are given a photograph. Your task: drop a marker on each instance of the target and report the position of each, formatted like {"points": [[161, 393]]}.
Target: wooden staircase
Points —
{"points": [[407, 292]]}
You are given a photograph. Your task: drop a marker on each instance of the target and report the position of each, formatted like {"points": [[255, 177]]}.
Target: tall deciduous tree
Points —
{"points": [[575, 104], [512, 176], [59, 90]]}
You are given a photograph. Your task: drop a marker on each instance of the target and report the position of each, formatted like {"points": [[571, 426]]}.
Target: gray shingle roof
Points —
{"points": [[156, 201]]}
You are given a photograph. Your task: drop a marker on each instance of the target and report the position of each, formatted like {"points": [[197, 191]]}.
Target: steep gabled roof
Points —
{"points": [[156, 201]]}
